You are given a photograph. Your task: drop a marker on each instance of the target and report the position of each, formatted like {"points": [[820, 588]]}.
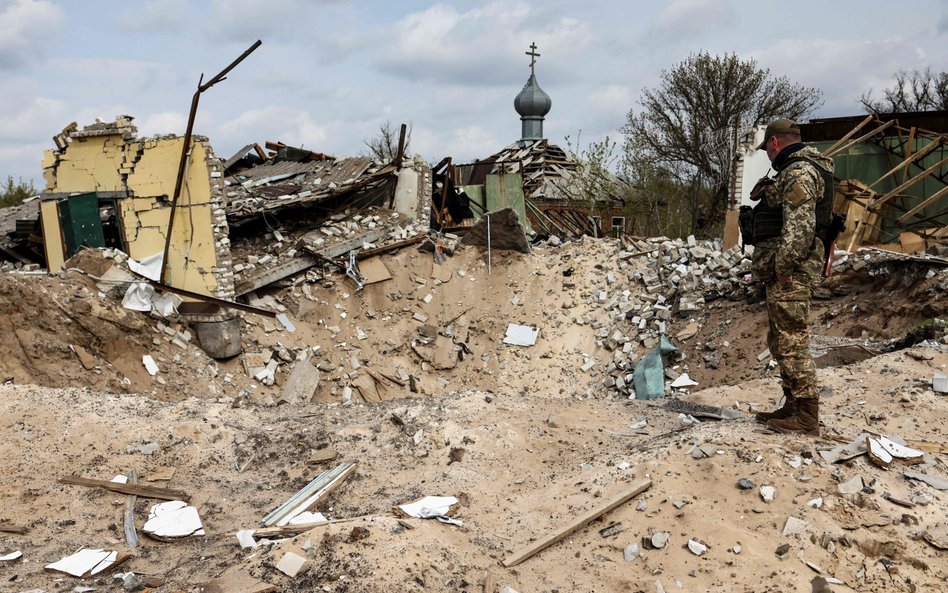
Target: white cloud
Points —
{"points": [[687, 18], [480, 46], [162, 122], [27, 26], [247, 20], [155, 16], [291, 125], [846, 69], [107, 76], [613, 99], [25, 116], [466, 143]]}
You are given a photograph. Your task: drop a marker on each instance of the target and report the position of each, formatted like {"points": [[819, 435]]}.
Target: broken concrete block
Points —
{"points": [[794, 526], [301, 384], [940, 382], [291, 564], [850, 486]]}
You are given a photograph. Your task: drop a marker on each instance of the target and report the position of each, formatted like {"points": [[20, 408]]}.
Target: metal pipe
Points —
{"points": [[186, 149]]}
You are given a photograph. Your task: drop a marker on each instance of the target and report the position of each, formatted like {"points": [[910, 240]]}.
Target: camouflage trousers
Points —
{"points": [[788, 307]]}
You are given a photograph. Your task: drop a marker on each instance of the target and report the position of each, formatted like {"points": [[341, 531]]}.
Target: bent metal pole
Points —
{"points": [[186, 149]]}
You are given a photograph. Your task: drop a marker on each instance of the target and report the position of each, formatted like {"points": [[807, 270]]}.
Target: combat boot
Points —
{"points": [[785, 411], [805, 420]]}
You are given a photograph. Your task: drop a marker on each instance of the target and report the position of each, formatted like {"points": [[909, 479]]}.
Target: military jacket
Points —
{"points": [[796, 252]]}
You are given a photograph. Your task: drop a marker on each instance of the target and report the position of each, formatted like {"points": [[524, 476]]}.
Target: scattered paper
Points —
{"points": [[11, 556], [120, 479], [432, 507], [86, 561], [149, 267], [173, 519], [521, 335]]}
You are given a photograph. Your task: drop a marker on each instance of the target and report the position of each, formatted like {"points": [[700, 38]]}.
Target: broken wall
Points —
{"points": [[413, 190], [140, 175]]}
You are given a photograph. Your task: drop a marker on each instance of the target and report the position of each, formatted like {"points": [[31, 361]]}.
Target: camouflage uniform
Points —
{"points": [[799, 254]]}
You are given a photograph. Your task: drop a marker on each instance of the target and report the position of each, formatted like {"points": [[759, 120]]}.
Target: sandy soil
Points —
{"points": [[523, 437]]}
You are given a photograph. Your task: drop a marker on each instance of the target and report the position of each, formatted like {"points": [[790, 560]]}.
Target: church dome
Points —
{"points": [[532, 101]]}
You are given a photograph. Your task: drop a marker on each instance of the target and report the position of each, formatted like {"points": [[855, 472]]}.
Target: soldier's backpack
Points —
{"points": [[764, 222]]}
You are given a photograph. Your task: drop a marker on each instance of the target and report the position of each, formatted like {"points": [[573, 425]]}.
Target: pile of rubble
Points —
{"points": [[656, 280]]}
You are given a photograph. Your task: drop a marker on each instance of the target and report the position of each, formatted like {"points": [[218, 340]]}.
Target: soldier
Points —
{"points": [[788, 258]]}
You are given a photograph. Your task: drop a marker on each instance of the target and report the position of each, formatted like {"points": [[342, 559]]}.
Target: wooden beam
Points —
{"points": [[909, 148], [881, 128], [909, 160], [924, 204], [131, 536], [849, 135], [489, 581], [885, 198], [561, 533], [367, 253], [143, 491]]}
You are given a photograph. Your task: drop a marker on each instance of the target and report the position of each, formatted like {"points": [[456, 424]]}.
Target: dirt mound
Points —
{"points": [[61, 331], [521, 465]]}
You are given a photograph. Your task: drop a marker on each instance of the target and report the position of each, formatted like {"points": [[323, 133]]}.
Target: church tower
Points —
{"points": [[532, 104]]}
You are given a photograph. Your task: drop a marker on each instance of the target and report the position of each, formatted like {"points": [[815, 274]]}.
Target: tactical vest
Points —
{"points": [[767, 221]]}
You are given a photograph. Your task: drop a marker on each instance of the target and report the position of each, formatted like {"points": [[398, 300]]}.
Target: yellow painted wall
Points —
{"points": [[95, 164], [90, 164], [192, 254]]}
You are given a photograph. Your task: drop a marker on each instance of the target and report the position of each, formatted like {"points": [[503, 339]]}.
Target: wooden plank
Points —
{"points": [[368, 388], [131, 536], [862, 138], [8, 528], [138, 490], [908, 161], [883, 127], [924, 204], [390, 247], [909, 149], [489, 581], [849, 134], [301, 527], [886, 197], [561, 533]]}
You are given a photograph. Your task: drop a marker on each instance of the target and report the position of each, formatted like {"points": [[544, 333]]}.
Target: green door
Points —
{"points": [[79, 216]]}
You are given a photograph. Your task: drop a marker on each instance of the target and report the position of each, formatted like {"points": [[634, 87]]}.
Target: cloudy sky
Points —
{"points": [[330, 72]]}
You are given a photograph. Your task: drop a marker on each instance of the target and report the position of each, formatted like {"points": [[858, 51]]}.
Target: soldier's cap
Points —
{"points": [[779, 126]]}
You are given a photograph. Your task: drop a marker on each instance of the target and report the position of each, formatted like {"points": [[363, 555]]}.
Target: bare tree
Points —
{"points": [[679, 126], [384, 146], [912, 91]]}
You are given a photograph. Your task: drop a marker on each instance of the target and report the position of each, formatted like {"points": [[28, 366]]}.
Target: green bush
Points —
{"points": [[14, 193]]}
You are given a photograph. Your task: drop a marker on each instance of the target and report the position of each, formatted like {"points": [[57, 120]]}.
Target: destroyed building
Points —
{"points": [[421, 403], [891, 174], [541, 181]]}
